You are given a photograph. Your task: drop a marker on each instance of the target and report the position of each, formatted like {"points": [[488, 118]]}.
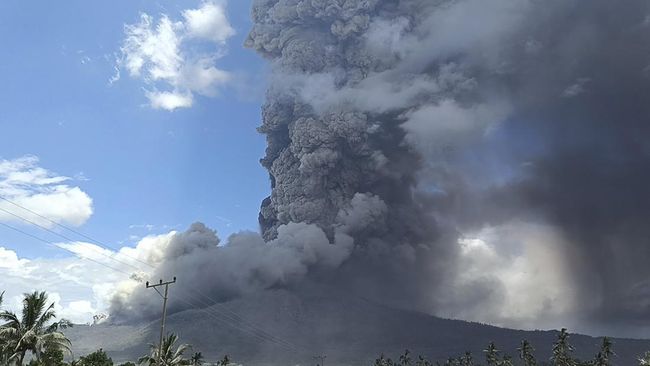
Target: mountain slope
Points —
{"points": [[348, 330]]}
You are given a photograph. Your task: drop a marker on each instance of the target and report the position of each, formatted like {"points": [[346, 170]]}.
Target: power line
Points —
{"points": [[101, 244], [259, 336], [59, 247], [234, 317], [284, 344], [63, 236]]}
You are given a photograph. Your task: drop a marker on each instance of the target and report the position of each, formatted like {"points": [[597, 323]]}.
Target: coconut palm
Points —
{"points": [[645, 360], [4, 350], [34, 331], [605, 355], [526, 353], [197, 359], [170, 356], [562, 350], [492, 355]]}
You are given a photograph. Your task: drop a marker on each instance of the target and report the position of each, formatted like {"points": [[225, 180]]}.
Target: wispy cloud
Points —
{"points": [[176, 59]]}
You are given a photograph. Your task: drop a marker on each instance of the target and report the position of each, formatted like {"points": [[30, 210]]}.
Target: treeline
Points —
{"points": [[35, 338], [562, 355]]}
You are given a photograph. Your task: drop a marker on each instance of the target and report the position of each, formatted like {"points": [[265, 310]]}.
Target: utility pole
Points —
{"points": [[164, 313], [321, 358]]}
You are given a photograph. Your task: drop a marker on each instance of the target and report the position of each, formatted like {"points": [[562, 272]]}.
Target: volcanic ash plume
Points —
{"points": [[463, 158]]}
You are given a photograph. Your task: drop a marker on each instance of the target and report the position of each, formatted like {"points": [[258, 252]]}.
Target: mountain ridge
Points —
{"points": [[349, 330]]}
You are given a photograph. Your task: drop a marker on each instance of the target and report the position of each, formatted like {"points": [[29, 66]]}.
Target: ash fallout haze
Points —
{"points": [[486, 161]]}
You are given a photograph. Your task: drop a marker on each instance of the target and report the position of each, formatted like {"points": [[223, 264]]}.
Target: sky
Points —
{"points": [[86, 141], [471, 161]]}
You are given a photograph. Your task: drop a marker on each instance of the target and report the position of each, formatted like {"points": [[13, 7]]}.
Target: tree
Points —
{"points": [[52, 357], [492, 355], [171, 355], [383, 361], [97, 358], [5, 351], [645, 359], [197, 359], [35, 331], [466, 360], [405, 359], [526, 354], [507, 361], [127, 364], [422, 362], [562, 350], [225, 361], [605, 354]]}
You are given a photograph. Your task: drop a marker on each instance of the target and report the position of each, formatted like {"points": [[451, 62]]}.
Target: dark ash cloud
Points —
{"points": [[455, 152]]}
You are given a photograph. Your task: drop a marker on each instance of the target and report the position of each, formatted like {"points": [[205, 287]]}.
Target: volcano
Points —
{"points": [[280, 326]]}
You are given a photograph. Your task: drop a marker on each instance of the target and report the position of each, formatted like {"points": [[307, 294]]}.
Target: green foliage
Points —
{"points": [[225, 361], [562, 350], [382, 361], [97, 358], [127, 364], [172, 355], [53, 357], [35, 331], [645, 359], [423, 362], [197, 359], [605, 354], [492, 355], [526, 354], [405, 359], [466, 359]]}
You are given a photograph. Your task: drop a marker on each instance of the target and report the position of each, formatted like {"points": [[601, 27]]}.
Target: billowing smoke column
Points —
{"points": [[483, 160]]}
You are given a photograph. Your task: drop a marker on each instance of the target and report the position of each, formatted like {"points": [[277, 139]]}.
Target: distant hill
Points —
{"points": [[350, 331]]}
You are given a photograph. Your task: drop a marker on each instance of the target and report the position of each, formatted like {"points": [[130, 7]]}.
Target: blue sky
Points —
{"points": [[146, 170]]}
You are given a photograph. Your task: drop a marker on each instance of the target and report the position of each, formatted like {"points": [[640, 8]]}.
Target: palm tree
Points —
{"points": [[35, 331], [466, 360], [645, 360], [4, 350], [405, 359], [170, 356], [604, 356], [197, 359], [526, 354], [562, 350], [492, 355], [507, 361]]}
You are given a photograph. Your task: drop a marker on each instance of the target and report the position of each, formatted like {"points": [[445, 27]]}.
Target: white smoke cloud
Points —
{"points": [[25, 183], [244, 264], [521, 265], [165, 57]]}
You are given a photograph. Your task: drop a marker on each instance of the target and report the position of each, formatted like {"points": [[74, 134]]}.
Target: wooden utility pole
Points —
{"points": [[322, 360], [164, 313]]}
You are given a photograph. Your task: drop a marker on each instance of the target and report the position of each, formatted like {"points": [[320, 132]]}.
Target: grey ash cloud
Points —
{"points": [[441, 147]]}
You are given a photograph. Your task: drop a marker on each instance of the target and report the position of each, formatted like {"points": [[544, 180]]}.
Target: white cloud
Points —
{"points": [[27, 184], [163, 55], [80, 288], [209, 22], [169, 100]]}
